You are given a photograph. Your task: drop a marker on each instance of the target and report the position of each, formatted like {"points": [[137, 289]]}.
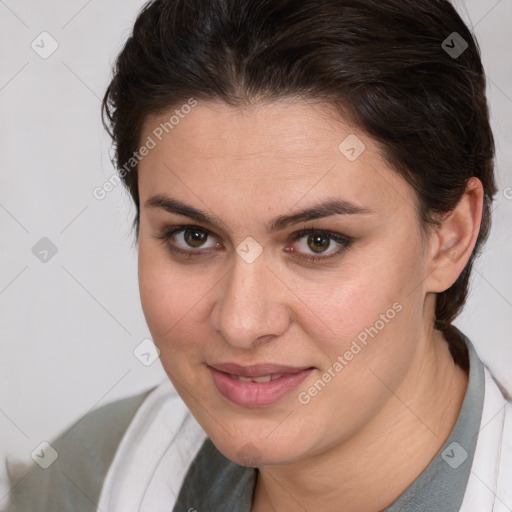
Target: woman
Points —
{"points": [[312, 181]]}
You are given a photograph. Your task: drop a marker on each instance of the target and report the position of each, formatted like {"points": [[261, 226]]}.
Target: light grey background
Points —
{"points": [[68, 327]]}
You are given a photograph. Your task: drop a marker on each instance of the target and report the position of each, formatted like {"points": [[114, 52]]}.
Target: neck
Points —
{"points": [[372, 469]]}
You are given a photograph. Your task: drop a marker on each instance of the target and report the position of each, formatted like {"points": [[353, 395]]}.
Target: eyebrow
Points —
{"points": [[325, 208]]}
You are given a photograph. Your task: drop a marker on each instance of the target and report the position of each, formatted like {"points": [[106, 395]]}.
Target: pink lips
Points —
{"points": [[262, 384]]}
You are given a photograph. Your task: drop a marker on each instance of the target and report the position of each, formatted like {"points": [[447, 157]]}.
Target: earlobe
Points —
{"points": [[455, 238]]}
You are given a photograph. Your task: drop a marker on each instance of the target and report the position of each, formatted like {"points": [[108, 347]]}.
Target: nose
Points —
{"points": [[250, 309]]}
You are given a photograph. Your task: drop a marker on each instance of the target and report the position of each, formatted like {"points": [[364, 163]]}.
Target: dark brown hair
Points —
{"points": [[386, 63]]}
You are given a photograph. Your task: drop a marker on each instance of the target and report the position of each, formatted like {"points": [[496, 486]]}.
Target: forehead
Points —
{"points": [[292, 149], [287, 128]]}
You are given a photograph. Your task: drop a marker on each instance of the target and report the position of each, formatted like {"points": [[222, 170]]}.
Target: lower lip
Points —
{"points": [[256, 394]]}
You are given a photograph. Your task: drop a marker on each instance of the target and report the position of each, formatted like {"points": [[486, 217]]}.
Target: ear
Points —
{"points": [[453, 241]]}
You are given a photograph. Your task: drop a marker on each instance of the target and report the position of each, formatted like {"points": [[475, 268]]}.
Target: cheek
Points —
{"points": [[364, 288], [171, 299], [375, 300]]}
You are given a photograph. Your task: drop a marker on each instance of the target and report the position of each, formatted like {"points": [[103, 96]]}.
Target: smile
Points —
{"points": [[256, 386]]}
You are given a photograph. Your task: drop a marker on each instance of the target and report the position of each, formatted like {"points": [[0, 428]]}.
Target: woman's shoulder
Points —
{"points": [[68, 472]]}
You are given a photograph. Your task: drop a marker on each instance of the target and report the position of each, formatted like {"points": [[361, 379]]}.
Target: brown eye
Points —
{"points": [[195, 237], [187, 239], [318, 243], [313, 244]]}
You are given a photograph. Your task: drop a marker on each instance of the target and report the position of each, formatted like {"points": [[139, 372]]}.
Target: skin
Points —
{"points": [[377, 424]]}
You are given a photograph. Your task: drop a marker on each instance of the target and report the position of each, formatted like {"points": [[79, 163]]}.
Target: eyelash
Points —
{"points": [[345, 242]]}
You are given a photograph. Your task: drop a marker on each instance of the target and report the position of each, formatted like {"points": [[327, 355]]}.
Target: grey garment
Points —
{"points": [[74, 481], [216, 484]]}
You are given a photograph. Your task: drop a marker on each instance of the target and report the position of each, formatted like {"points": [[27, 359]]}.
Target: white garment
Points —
{"points": [[163, 439], [490, 482], [153, 456]]}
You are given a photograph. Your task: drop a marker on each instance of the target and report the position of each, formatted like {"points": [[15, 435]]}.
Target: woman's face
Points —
{"points": [[244, 297]]}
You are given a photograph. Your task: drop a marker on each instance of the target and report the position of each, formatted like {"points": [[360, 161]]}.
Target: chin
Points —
{"points": [[256, 451]]}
